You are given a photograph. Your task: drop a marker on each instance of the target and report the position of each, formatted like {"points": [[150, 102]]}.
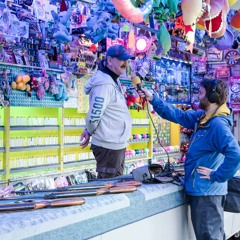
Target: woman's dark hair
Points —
{"points": [[215, 87]]}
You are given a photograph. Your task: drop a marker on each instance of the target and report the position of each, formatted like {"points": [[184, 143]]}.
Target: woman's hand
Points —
{"points": [[145, 93], [204, 171]]}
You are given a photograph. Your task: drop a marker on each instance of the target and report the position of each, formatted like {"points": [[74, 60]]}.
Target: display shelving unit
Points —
{"points": [[41, 137]]}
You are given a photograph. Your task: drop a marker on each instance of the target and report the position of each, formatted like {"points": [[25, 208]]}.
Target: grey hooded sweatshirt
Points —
{"points": [[108, 119]]}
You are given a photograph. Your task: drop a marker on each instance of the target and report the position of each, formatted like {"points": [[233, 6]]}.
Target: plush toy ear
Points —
{"points": [[164, 39], [55, 16], [63, 6]]}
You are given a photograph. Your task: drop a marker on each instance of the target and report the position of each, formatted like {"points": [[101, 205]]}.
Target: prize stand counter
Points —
{"points": [[154, 210]]}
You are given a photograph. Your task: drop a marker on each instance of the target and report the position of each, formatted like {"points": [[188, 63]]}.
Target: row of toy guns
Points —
{"points": [[65, 196]]}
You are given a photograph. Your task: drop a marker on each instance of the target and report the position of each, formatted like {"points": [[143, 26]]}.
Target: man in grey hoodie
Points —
{"points": [[108, 120]]}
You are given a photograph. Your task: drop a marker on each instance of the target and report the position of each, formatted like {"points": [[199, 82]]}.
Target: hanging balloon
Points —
{"points": [[235, 21], [236, 5], [231, 2]]}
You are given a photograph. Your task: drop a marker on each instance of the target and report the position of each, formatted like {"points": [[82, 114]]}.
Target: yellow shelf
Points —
{"points": [[63, 122]]}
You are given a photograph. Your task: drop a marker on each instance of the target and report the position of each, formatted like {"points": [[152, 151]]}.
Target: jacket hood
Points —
{"points": [[222, 111], [97, 79], [225, 112]]}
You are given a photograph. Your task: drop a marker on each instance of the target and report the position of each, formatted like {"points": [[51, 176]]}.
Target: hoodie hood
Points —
{"points": [[222, 111], [101, 77], [97, 79]]}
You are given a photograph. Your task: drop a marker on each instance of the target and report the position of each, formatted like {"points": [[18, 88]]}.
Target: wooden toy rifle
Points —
{"points": [[83, 187], [41, 204], [76, 193], [100, 191]]}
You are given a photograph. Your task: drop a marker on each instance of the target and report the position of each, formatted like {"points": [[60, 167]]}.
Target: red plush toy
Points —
{"points": [[133, 99]]}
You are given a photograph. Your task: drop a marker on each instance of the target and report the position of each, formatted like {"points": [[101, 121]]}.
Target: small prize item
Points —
{"points": [[81, 177], [232, 57], [61, 182], [222, 72], [7, 191], [19, 186]]}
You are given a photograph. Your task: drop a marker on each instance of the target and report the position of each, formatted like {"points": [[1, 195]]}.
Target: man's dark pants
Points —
{"points": [[110, 163], [207, 217]]}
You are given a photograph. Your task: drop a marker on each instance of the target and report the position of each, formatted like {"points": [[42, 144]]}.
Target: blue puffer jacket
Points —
{"points": [[212, 145]]}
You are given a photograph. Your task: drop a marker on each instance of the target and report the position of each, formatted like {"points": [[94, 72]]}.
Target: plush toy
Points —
{"points": [[131, 97], [212, 12], [103, 5], [53, 86], [164, 40], [22, 83], [3, 101], [191, 11], [4, 83], [215, 17], [57, 89], [61, 21], [225, 42], [62, 92], [132, 13], [99, 26], [39, 84]]}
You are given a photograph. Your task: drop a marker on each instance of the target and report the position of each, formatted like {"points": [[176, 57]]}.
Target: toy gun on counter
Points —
{"points": [[83, 187], [70, 192], [94, 192], [31, 205]]}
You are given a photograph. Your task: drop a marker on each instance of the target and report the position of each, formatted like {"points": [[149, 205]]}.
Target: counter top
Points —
{"points": [[98, 215]]}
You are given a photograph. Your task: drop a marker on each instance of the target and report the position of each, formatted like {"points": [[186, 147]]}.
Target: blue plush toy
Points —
{"points": [[99, 24], [61, 20]]}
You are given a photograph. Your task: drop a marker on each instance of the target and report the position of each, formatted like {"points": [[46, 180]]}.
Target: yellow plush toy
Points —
{"points": [[21, 83]]}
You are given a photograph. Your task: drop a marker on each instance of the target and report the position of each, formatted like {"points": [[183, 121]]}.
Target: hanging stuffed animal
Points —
{"points": [[99, 24], [191, 11], [61, 21], [132, 13], [215, 17], [103, 5]]}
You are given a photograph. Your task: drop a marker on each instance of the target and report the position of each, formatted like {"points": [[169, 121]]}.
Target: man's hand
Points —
{"points": [[84, 140], [145, 93], [205, 172]]}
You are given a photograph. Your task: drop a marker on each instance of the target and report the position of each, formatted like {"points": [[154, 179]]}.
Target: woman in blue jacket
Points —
{"points": [[213, 156]]}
